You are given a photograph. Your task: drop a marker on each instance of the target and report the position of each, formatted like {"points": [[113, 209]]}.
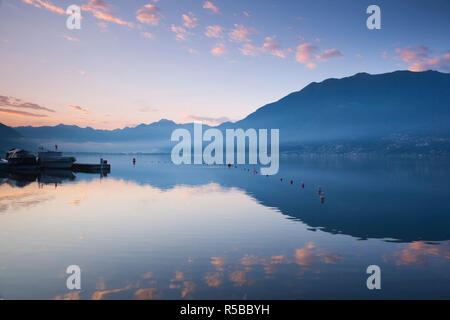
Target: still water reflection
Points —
{"points": [[156, 231]]}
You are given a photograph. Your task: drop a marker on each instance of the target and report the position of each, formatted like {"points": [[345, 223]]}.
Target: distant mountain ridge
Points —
{"points": [[75, 133], [8, 132], [377, 110], [363, 106], [9, 137]]}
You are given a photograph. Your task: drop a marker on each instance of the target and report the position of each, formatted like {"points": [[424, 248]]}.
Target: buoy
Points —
{"points": [[292, 181], [322, 198], [303, 185]]}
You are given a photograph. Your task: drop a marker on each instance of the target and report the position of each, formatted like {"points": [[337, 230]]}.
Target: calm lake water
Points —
{"points": [[157, 231]]}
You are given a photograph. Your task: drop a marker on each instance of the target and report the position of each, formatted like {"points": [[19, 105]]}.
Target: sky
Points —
{"points": [[136, 61]]}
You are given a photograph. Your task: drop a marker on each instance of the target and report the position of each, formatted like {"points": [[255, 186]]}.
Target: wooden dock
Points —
{"points": [[102, 167]]}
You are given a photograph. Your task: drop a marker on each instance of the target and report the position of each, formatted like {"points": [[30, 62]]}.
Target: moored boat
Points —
{"points": [[21, 161], [20, 157]]}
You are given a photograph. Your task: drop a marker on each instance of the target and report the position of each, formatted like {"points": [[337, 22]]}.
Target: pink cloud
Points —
{"points": [[308, 54], [420, 59], [180, 32], [241, 33], [110, 18], [149, 14], [214, 32], [71, 38], [96, 7], [21, 113], [78, 108], [329, 54], [413, 54], [11, 102], [272, 47], [219, 49], [47, 5], [189, 21], [99, 4], [305, 53], [209, 5], [147, 35], [249, 50]]}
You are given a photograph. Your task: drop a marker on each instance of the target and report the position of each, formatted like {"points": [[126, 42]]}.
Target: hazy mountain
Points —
{"points": [[156, 130], [8, 133], [360, 107], [399, 111], [10, 138], [154, 137]]}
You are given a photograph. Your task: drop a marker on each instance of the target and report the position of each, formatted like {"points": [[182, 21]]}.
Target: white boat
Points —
{"points": [[55, 160]]}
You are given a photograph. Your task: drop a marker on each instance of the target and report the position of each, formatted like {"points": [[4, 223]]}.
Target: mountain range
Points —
{"points": [[401, 111]]}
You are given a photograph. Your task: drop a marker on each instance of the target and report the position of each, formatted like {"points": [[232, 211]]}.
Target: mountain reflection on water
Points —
{"points": [[395, 199], [159, 231]]}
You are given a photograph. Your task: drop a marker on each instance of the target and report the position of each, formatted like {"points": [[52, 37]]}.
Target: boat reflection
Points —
{"points": [[48, 176], [55, 176], [19, 180]]}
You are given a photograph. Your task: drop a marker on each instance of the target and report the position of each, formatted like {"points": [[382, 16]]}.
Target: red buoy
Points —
{"points": [[303, 185]]}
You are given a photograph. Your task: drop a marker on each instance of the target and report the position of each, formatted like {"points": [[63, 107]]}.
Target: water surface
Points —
{"points": [[157, 231]]}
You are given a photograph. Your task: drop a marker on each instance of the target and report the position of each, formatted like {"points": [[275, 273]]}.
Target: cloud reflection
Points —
{"points": [[100, 295], [419, 252], [75, 295], [147, 294], [214, 279]]}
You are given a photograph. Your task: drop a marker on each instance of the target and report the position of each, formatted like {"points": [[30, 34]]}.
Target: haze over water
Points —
{"points": [[157, 231]]}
